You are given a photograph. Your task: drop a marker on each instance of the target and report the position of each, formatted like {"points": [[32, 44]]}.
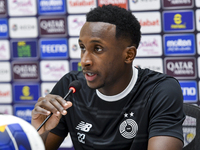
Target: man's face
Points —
{"points": [[102, 55]]}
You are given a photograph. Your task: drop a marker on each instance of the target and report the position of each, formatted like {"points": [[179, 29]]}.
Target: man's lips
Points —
{"points": [[90, 76]]}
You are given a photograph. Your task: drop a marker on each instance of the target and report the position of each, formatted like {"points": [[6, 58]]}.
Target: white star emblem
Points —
{"points": [[125, 115], [131, 114]]}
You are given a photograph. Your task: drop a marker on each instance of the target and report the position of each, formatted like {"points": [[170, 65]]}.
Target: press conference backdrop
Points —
{"points": [[39, 44]]}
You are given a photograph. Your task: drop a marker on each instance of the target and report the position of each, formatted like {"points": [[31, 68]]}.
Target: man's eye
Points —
{"points": [[82, 48], [98, 49]]}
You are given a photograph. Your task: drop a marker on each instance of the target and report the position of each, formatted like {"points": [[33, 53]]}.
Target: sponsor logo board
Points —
{"points": [[25, 71], [5, 72], [6, 109], [177, 4], [150, 21], [52, 26], [4, 50], [178, 21], [53, 48], [181, 68], [23, 111], [46, 87], [23, 27], [3, 8], [75, 23], [22, 8], [189, 90], [75, 65], [121, 3], [150, 45], [26, 92], [3, 28], [74, 48], [142, 5], [182, 44], [53, 70], [51, 6], [24, 49], [5, 93], [80, 6], [155, 64]]}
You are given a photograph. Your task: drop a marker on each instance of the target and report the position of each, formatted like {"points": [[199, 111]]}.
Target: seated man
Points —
{"points": [[120, 107]]}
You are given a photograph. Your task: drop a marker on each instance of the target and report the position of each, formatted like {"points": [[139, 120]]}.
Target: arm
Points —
{"points": [[166, 117], [52, 141], [45, 105], [164, 143]]}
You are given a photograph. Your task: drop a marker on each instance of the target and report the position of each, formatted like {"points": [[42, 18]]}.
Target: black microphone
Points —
{"points": [[74, 86]]}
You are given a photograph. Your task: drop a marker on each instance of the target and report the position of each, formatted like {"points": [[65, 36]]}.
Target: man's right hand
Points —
{"points": [[45, 105]]}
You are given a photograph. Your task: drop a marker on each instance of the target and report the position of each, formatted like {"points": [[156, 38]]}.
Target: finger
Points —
{"points": [[38, 110], [49, 105]]}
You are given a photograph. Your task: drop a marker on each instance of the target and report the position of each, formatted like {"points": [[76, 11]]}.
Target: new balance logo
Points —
{"points": [[84, 126]]}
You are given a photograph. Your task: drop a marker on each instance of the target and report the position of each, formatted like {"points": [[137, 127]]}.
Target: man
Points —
{"points": [[119, 107]]}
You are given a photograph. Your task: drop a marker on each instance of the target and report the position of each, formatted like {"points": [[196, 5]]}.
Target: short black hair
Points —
{"points": [[127, 26]]}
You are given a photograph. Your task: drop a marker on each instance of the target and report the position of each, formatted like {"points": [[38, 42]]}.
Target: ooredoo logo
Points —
{"points": [[74, 48], [5, 72], [23, 27], [80, 6], [155, 64], [52, 26], [181, 68]]}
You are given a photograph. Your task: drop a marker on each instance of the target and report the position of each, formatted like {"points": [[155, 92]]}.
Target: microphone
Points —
{"points": [[74, 86]]}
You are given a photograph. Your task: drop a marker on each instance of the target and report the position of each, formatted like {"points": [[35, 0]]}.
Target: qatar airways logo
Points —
{"points": [[178, 3], [53, 70], [181, 68], [150, 45], [3, 7]]}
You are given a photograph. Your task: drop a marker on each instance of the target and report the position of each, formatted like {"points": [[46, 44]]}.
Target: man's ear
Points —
{"points": [[130, 54]]}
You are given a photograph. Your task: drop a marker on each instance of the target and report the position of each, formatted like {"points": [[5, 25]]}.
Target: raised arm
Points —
{"points": [[45, 105]]}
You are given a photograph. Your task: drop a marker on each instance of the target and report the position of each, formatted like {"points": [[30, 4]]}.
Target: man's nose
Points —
{"points": [[86, 59]]}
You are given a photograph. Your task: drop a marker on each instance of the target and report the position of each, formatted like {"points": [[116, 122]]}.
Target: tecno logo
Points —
{"points": [[189, 90], [3, 28]]}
